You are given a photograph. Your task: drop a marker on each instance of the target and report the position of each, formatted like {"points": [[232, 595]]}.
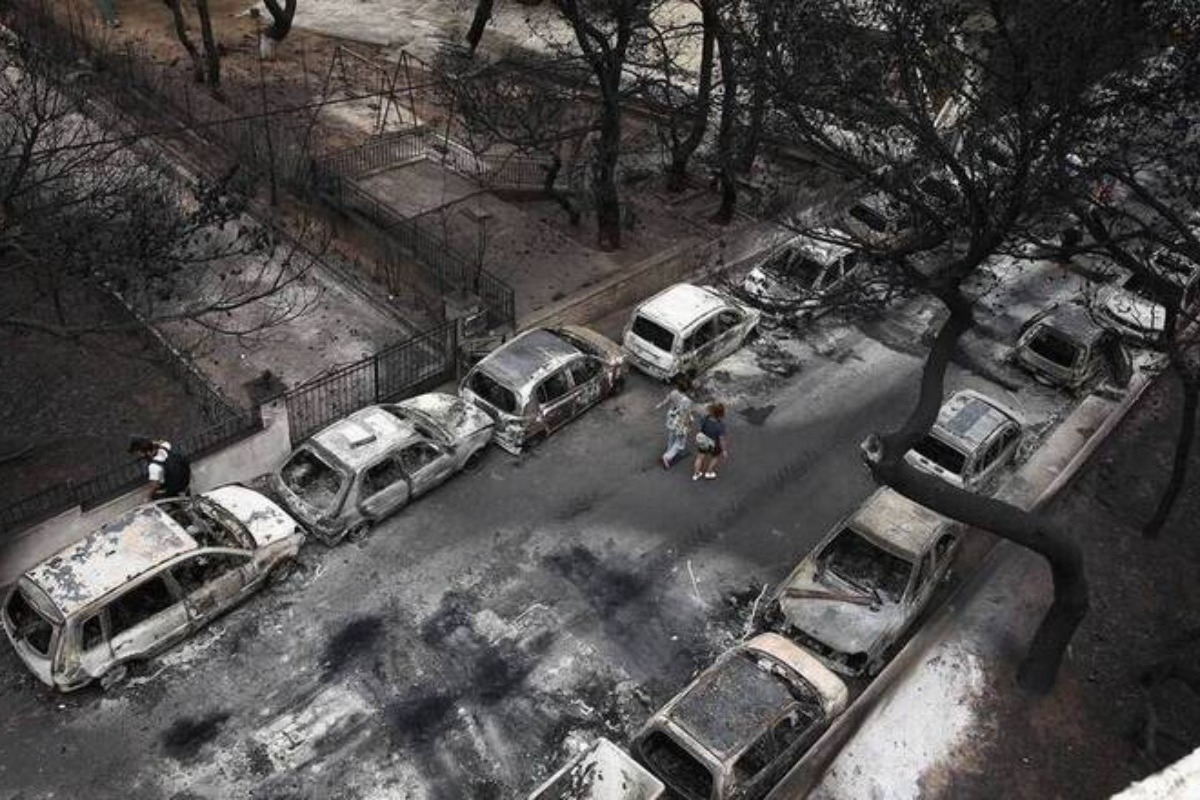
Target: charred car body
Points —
{"points": [[145, 581], [601, 772], [972, 439], [1133, 309], [854, 596], [374, 462], [1064, 346], [742, 723], [802, 274], [541, 380], [686, 329]]}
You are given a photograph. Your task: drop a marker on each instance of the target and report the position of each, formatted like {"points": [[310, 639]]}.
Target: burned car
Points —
{"points": [[800, 275], [601, 772], [972, 439], [360, 469], [541, 380], [686, 329], [855, 595], [145, 581], [1064, 346], [737, 729], [1129, 307]]}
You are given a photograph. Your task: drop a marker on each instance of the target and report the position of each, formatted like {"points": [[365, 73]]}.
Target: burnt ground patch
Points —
{"points": [[452, 617], [420, 718], [606, 587], [185, 737], [356, 638], [757, 415]]}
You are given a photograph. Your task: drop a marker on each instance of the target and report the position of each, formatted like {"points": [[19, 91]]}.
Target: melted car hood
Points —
{"points": [[266, 521], [843, 625], [1132, 309], [458, 418]]}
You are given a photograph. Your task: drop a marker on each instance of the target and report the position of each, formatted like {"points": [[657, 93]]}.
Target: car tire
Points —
{"points": [[115, 677], [474, 460], [532, 442], [358, 531], [283, 572]]}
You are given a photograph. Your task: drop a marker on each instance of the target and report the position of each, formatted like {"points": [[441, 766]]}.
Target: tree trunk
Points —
{"points": [[1190, 382], [728, 116], [885, 458], [682, 153], [281, 19], [182, 34], [604, 176], [212, 57], [748, 150], [483, 15]]}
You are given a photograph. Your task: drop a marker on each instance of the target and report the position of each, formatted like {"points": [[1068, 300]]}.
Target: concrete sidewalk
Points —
{"points": [[921, 713]]}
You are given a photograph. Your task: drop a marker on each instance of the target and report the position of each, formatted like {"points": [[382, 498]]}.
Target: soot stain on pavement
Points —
{"points": [[420, 718], [453, 616], [356, 637], [607, 588], [757, 415], [186, 736]]}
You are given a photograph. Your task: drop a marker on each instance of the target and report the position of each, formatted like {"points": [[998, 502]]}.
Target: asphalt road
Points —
{"points": [[454, 652]]}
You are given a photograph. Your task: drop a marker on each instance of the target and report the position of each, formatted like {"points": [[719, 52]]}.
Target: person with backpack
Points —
{"points": [[169, 472], [679, 419], [712, 443]]}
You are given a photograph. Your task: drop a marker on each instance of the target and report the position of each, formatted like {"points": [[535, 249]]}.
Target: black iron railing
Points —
{"points": [[408, 368]]}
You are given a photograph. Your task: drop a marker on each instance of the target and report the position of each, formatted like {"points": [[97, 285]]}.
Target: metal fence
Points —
{"points": [[445, 267], [404, 369], [119, 478]]}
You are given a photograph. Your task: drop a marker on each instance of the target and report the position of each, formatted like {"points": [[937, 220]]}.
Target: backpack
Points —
{"points": [[177, 472]]}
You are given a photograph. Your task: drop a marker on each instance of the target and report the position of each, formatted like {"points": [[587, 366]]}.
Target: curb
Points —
{"points": [[807, 774], [648, 277]]}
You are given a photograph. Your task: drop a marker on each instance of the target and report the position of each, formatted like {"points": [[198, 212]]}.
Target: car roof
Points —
{"points": [[821, 250], [119, 552], [731, 705], [363, 436], [678, 307], [735, 700], [524, 359], [897, 524], [1075, 321], [968, 419]]}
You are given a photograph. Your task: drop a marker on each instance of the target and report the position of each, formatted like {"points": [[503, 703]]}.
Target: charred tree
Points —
{"points": [[212, 55], [280, 27], [603, 36], [479, 22], [726, 177], [181, 33]]}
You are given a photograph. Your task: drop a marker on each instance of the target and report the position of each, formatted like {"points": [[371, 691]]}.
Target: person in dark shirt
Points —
{"points": [[712, 443]]}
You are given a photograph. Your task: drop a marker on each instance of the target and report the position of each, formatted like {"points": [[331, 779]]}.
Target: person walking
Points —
{"points": [[679, 419], [712, 443], [169, 472]]}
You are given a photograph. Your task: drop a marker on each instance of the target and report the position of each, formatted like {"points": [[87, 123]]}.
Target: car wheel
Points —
{"points": [[115, 677], [474, 460], [533, 441], [618, 386], [751, 335], [283, 572], [358, 531]]}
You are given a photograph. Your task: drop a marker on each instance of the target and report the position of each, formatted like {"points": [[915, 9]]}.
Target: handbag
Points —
{"points": [[704, 442]]}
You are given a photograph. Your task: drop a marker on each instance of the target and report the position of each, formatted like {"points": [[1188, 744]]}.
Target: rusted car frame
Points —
{"points": [[144, 582]]}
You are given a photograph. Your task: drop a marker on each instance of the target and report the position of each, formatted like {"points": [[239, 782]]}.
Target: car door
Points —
{"points": [[146, 617], [923, 585], [555, 397], [730, 324], [697, 351], [95, 649], [383, 488], [587, 374], [212, 581], [427, 464]]}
